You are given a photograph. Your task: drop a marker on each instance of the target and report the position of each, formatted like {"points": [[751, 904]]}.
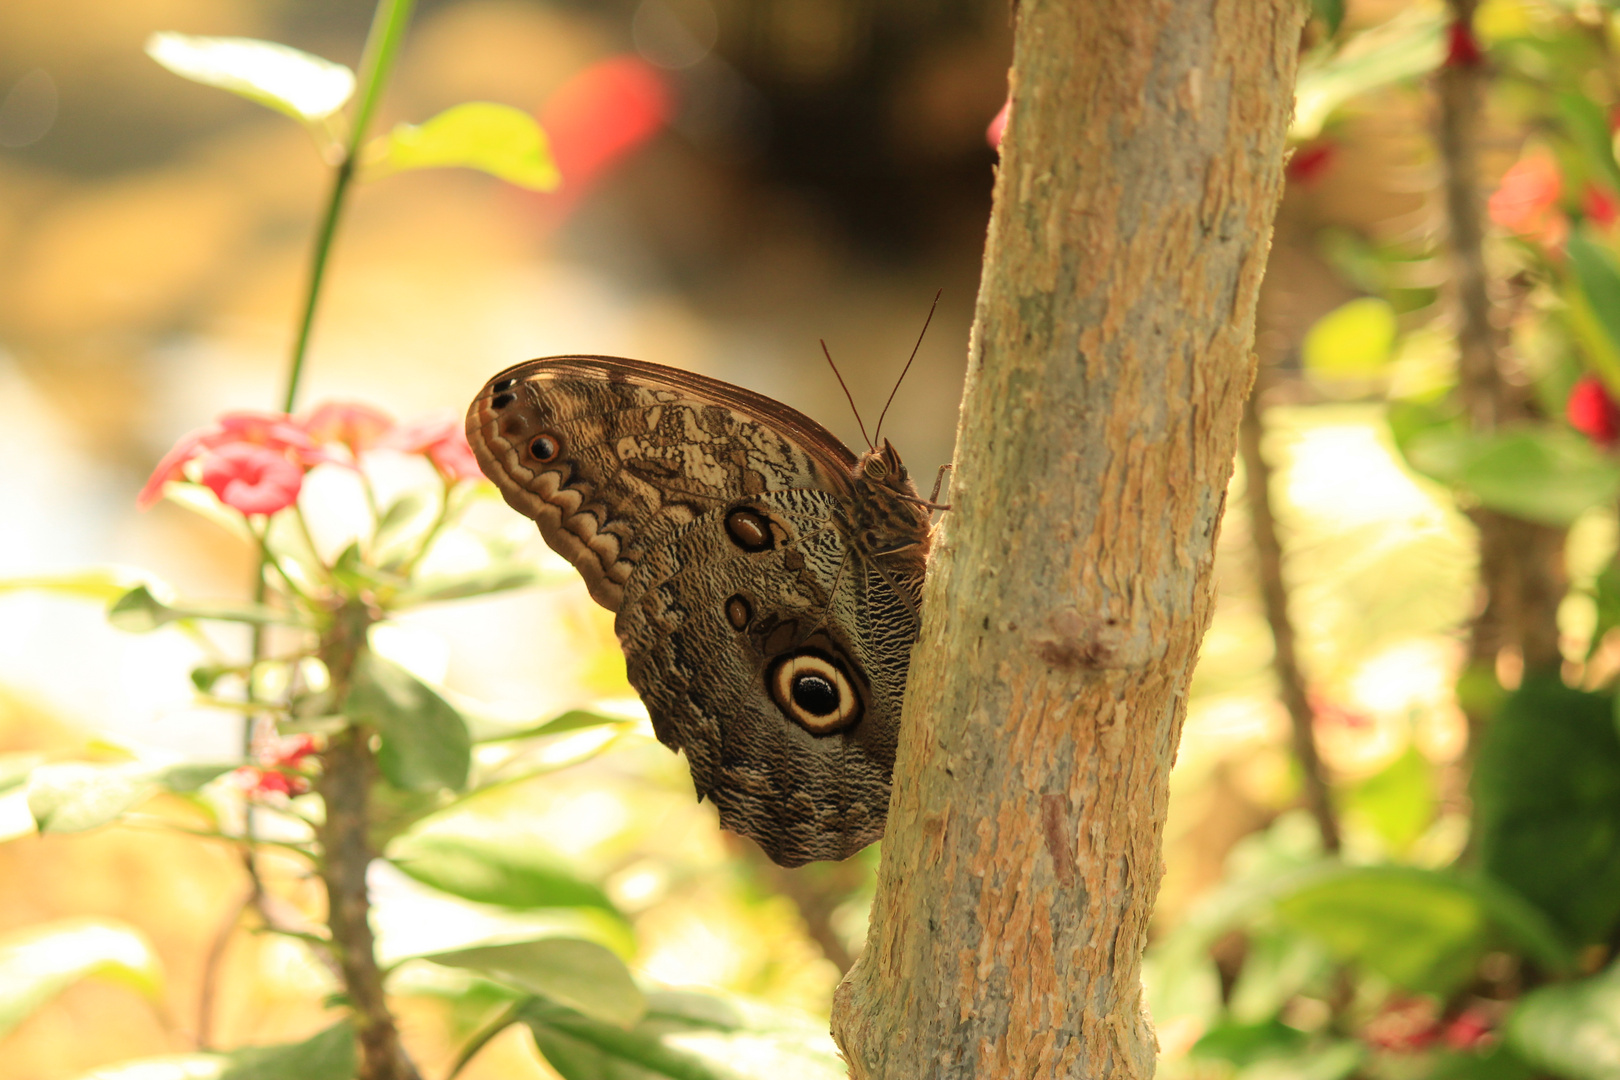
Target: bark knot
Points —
{"points": [[1075, 641]]}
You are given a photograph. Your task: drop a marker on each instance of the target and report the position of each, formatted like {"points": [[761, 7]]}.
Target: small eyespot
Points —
{"points": [[739, 611], [504, 385], [814, 692], [749, 530], [501, 401], [544, 449]]}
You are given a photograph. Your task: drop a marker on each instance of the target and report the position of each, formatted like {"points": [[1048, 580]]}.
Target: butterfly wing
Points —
{"points": [[766, 645]]}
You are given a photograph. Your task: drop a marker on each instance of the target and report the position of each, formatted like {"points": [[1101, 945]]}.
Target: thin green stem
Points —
{"points": [[439, 522], [382, 46]]}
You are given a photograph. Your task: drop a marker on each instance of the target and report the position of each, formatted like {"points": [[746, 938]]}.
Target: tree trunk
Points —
{"points": [[1110, 359]]}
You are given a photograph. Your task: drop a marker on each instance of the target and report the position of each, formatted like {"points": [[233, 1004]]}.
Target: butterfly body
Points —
{"points": [[765, 579]]}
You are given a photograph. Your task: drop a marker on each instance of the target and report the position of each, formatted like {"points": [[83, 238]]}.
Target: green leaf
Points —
{"points": [[1277, 966], [425, 744], [1606, 599], [400, 514], [75, 796], [1244, 1044], [41, 962], [500, 577], [168, 1067], [305, 87], [582, 975], [1541, 474], [686, 1037], [497, 139], [1409, 45], [14, 769], [1496, 1063], [1354, 340], [329, 1055], [1598, 278], [1398, 801], [138, 612], [1587, 123], [1546, 791], [1421, 929], [1331, 12], [104, 583], [467, 857], [570, 721], [1570, 1030]]}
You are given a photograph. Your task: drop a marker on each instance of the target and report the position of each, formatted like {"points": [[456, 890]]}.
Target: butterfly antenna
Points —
{"points": [[907, 368], [847, 394]]}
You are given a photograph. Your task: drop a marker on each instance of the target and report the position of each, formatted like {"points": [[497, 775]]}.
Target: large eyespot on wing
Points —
{"points": [[815, 691]]}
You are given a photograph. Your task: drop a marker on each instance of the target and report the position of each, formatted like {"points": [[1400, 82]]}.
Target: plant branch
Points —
{"points": [[1520, 564], [503, 1020], [349, 769], [382, 45], [1274, 594]]}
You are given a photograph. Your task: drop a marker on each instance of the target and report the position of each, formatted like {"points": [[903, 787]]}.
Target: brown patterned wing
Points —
{"points": [[720, 527]]}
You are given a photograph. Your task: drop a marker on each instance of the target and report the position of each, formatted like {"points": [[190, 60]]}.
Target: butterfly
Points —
{"points": [[765, 579]]}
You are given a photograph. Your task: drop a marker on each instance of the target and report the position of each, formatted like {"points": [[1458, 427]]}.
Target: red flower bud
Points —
{"points": [[1592, 412], [1462, 47]]}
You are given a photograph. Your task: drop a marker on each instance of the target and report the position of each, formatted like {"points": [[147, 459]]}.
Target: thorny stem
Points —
{"points": [[349, 768], [1520, 563], [1274, 594]]}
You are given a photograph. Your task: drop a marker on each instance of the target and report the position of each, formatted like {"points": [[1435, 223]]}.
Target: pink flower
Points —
{"points": [[257, 782], [1527, 200], [1471, 1030], [998, 126], [1592, 412], [275, 431], [252, 478], [349, 423], [443, 440]]}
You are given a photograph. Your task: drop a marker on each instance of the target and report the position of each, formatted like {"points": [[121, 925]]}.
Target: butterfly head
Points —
{"points": [[882, 465]]}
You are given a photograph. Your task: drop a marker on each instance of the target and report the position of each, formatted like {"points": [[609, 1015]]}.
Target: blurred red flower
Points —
{"points": [[1310, 162], [598, 117], [1470, 1030], [273, 431], [349, 423], [259, 782], [1462, 47], [252, 478], [1592, 412], [1600, 207], [443, 440], [1527, 200], [1403, 1025]]}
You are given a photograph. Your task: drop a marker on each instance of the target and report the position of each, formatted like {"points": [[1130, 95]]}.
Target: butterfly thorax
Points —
{"points": [[889, 519]]}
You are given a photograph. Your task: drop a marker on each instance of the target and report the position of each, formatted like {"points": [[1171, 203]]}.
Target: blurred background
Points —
{"points": [[741, 178]]}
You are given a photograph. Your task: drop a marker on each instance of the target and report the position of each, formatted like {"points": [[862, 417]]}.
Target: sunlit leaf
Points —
{"points": [[104, 583], [329, 1055], [1546, 790], [1244, 1044], [170, 1067], [579, 974], [425, 744], [41, 962], [288, 80], [500, 577], [1409, 45], [572, 720], [1354, 340], [687, 1037], [1398, 801], [1276, 966], [1587, 123], [74, 796], [497, 139], [466, 857], [138, 611], [14, 769], [1571, 1030], [1542, 474]]}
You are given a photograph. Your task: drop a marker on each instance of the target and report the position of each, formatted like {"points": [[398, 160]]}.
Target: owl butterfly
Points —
{"points": [[765, 579]]}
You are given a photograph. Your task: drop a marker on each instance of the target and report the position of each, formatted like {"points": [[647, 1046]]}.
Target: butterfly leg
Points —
{"points": [[939, 480]]}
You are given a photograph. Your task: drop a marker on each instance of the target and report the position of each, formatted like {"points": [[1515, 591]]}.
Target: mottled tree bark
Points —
{"points": [[1110, 359]]}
